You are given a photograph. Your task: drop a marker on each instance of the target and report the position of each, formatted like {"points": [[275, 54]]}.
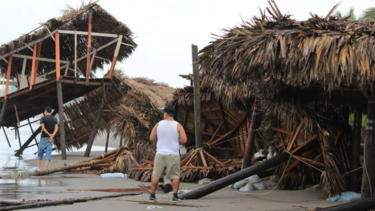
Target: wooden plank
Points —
{"points": [[191, 158], [118, 46], [57, 53], [202, 157], [282, 140], [217, 130], [93, 34], [8, 76], [88, 44], [312, 162], [23, 77], [230, 132], [148, 161], [312, 138], [38, 55], [33, 70], [294, 137], [213, 158]]}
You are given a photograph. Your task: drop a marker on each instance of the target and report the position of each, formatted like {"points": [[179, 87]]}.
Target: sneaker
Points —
{"points": [[176, 199], [152, 198]]}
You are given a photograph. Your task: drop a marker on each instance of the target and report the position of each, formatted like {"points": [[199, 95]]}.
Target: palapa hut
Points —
{"points": [[305, 75], [61, 57]]}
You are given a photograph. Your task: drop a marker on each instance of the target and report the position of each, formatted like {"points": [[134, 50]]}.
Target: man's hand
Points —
{"points": [[50, 137]]}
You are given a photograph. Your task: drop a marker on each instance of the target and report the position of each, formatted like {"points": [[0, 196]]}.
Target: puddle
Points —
{"points": [[27, 188]]}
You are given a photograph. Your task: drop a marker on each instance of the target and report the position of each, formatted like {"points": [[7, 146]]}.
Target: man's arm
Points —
{"points": [[181, 131], [55, 131], [153, 136], [45, 130]]}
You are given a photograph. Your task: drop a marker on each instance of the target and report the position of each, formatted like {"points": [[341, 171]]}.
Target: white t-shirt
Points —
{"points": [[168, 139]]}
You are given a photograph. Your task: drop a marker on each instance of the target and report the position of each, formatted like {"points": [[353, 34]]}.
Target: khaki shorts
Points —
{"points": [[170, 163]]}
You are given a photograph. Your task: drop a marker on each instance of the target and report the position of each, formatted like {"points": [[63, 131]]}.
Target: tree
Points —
{"points": [[367, 14]]}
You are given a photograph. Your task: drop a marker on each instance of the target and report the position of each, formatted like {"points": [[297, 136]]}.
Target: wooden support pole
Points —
{"points": [[117, 50], [23, 77], [26, 144], [368, 176], [38, 55], [95, 127], [3, 110], [61, 116], [32, 131], [88, 44], [33, 69], [197, 103], [229, 132], [106, 143], [57, 53], [75, 55], [355, 150], [6, 136], [250, 138], [120, 141], [18, 134], [8, 78]]}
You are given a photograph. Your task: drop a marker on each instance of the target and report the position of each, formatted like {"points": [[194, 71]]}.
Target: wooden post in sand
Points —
{"points": [[355, 150], [368, 176], [250, 138], [106, 143], [197, 104]]}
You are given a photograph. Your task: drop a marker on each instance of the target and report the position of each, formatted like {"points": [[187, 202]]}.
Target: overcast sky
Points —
{"points": [[164, 29]]}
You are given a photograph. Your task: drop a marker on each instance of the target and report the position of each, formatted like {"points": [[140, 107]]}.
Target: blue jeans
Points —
{"points": [[44, 144]]}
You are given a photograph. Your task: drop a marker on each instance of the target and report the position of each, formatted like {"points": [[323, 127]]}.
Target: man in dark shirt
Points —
{"points": [[49, 129]]}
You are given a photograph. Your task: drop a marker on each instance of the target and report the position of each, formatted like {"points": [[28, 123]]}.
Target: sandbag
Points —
{"points": [[254, 179], [240, 184], [260, 185], [113, 176], [345, 196], [247, 188]]}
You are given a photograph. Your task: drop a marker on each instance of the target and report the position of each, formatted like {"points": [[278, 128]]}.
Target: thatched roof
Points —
{"points": [[274, 54], [132, 108], [74, 20]]}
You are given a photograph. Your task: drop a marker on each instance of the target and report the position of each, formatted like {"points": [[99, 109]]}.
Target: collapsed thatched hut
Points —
{"points": [[132, 106], [305, 75]]}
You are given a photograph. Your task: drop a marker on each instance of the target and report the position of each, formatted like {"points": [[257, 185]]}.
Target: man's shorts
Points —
{"points": [[170, 163], [44, 144]]}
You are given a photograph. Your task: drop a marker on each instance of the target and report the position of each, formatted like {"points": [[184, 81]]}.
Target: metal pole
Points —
{"points": [[6, 136], [61, 116], [368, 176], [19, 137], [32, 130], [120, 141], [3, 111], [197, 102]]}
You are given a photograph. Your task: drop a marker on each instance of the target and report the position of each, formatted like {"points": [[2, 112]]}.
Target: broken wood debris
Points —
{"points": [[162, 203], [38, 204]]}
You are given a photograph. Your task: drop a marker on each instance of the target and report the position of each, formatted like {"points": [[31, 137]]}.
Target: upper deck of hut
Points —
{"points": [[68, 49]]}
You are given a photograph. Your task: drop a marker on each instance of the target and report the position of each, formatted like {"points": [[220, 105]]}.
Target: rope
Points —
{"points": [[304, 162]]}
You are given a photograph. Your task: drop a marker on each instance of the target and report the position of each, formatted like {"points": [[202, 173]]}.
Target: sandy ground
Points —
{"points": [[55, 187]]}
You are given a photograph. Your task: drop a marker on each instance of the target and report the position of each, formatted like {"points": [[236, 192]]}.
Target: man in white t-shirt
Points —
{"points": [[168, 135]]}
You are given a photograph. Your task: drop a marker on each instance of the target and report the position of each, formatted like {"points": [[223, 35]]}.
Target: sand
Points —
{"points": [[55, 187]]}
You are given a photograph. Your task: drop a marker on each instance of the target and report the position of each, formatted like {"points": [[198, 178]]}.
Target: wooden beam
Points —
{"points": [[214, 118], [8, 76], [202, 157], [84, 57], [39, 58], [312, 138], [93, 34], [110, 73], [57, 53], [38, 55], [217, 130], [294, 137], [33, 70], [211, 110], [75, 55], [61, 114], [213, 158], [88, 44], [23, 73], [230, 132], [312, 162]]}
